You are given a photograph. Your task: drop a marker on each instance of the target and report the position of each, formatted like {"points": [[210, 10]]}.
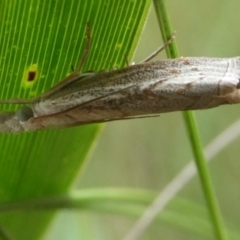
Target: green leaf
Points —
{"points": [[46, 38]]}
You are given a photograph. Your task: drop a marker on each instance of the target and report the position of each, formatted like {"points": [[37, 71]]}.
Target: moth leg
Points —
{"points": [[126, 60], [87, 49], [76, 75], [155, 53]]}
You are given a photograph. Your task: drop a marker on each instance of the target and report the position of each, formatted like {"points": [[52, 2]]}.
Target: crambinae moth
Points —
{"points": [[147, 88]]}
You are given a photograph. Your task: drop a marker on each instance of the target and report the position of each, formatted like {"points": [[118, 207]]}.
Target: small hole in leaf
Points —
{"points": [[31, 76]]}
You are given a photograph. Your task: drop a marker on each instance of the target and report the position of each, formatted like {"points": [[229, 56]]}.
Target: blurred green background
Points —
{"points": [[148, 153]]}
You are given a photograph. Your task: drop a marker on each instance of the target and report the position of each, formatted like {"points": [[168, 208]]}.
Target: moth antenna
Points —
{"points": [[155, 53]]}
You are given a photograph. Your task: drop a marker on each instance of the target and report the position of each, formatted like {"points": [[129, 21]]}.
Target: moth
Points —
{"points": [[148, 88]]}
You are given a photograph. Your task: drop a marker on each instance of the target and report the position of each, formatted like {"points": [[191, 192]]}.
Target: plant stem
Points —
{"points": [[192, 130]]}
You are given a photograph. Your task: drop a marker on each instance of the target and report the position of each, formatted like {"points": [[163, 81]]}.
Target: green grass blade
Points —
{"points": [[193, 133]]}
